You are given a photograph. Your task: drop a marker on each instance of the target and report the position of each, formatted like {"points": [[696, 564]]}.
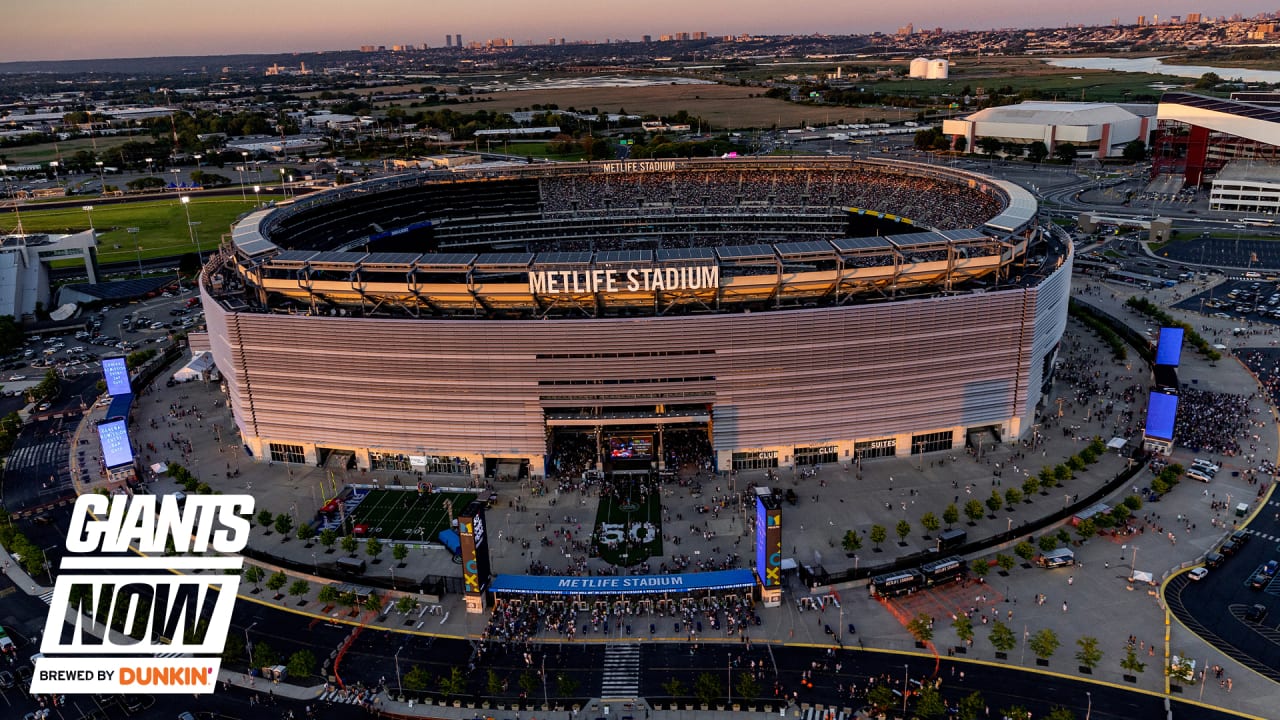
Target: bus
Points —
{"points": [[1258, 222], [896, 583], [940, 572]]}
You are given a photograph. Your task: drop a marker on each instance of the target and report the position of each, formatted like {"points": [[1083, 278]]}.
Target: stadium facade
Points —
{"points": [[1198, 136], [438, 320]]}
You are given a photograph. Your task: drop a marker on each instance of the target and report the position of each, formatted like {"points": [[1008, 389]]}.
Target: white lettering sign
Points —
{"points": [[638, 166], [578, 282]]}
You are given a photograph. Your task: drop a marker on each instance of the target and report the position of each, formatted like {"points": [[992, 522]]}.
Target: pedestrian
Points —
{"points": [[1064, 606], [1071, 580]]}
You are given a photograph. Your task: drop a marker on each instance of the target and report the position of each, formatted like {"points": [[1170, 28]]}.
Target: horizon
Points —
{"points": [[80, 30]]}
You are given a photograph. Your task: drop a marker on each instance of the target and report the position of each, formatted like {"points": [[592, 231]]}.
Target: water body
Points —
{"points": [[585, 81], [1157, 65]]}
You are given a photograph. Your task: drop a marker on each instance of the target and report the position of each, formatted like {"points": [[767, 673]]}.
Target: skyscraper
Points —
{"points": [[457, 40], [448, 40]]}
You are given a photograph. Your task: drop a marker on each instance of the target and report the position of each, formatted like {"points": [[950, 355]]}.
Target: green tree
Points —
{"points": [[373, 547], [399, 551], [328, 538], [1006, 562], [950, 514], [406, 604], [327, 595], [417, 679], [1012, 496], [1002, 637], [963, 625], [233, 649], [1058, 712], [903, 529], [878, 535], [929, 702], [349, 600], [1044, 643], [254, 574], [1208, 81], [1047, 478], [264, 518], [373, 603], [674, 687], [960, 143], [301, 665], [493, 683], [748, 687], [973, 510], [930, 523], [707, 688], [1061, 474], [1066, 152], [349, 545], [453, 684], [851, 542], [1047, 542], [305, 532], [264, 655], [1087, 528], [995, 502], [882, 698], [1076, 463], [990, 145], [1037, 151], [566, 684], [528, 683], [1088, 655], [921, 628], [972, 706], [283, 524], [1025, 550], [277, 581], [1031, 485], [979, 567], [1131, 664], [298, 588]]}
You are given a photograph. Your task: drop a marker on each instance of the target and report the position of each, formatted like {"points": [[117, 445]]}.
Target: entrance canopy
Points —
{"points": [[629, 584]]}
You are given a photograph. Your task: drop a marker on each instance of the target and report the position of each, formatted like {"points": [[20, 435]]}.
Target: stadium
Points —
{"points": [[525, 320]]}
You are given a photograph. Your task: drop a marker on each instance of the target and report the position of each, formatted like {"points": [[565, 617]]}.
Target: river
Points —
{"points": [[1156, 65]]}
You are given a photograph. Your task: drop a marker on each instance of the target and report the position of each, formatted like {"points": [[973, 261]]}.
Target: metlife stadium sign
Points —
{"points": [[126, 605]]}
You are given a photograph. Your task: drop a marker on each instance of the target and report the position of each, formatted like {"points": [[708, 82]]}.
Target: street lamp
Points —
{"points": [[248, 645], [89, 209], [906, 685], [1089, 710], [256, 198], [149, 170], [397, 658], [102, 176], [197, 156], [191, 230], [53, 164]]}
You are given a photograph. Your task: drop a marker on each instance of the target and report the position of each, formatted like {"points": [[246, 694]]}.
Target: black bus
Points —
{"points": [[895, 584], [939, 572]]}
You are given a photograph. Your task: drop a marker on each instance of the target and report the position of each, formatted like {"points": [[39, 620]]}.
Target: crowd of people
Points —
{"points": [[514, 623], [1212, 422]]}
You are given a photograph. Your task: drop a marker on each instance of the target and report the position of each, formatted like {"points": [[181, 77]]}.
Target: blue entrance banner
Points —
{"points": [[622, 584]]}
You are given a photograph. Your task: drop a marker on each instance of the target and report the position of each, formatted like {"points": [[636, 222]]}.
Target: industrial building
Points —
{"points": [[1095, 129]]}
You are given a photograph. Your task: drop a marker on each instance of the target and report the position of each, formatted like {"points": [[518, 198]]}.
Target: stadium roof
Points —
{"points": [[1242, 119], [1055, 113], [123, 289]]}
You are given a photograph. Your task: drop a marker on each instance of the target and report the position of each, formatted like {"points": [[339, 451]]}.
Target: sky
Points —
{"points": [[86, 29]]}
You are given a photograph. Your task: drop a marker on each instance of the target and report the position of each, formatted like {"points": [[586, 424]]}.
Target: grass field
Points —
{"points": [[629, 529], [407, 515], [44, 152], [162, 224]]}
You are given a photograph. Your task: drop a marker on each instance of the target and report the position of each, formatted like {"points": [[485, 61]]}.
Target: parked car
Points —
{"points": [[1256, 613], [1198, 573]]}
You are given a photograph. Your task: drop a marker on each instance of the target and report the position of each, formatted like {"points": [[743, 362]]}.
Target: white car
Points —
{"points": [[1198, 573], [16, 378]]}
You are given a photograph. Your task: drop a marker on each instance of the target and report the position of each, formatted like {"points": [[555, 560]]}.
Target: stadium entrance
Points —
{"points": [[626, 441]]}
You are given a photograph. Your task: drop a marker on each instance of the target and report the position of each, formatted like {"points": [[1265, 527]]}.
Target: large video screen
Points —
{"points": [[1161, 413], [116, 373], [114, 436], [1169, 348], [638, 447]]}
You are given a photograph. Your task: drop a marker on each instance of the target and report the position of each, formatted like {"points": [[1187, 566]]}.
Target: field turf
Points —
{"points": [[617, 513], [407, 515]]}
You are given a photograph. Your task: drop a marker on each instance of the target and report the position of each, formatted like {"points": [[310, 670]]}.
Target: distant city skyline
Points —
{"points": [[78, 29]]}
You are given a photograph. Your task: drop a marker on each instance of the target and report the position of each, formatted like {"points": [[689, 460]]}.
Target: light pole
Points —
{"points": [[906, 685], [149, 170], [191, 230], [1088, 710], [256, 198], [197, 156], [47, 567], [54, 165], [1133, 563], [102, 176], [136, 246], [89, 210], [244, 155], [248, 645], [397, 657]]}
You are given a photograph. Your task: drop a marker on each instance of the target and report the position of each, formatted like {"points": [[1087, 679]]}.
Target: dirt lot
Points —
{"points": [[722, 105]]}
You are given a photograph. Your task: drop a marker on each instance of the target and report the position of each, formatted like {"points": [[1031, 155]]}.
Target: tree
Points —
{"points": [[277, 580], [373, 547], [1088, 655], [349, 600], [302, 664], [1208, 81], [283, 524], [921, 628], [929, 702], [349, 545], [1006, 562], [328, 538], [851, 542], [493, 683], [1014, 149], [1076, 463], [995, 502], [1047, 542], [1066, 152], [963, 625], [990, 145], [1025, 550], [264, 655], [903, 529], [233, 648], [1058, 712], [878, 535], [979, 567], [950, 514], [1131, 664], [930, 523], [972, 706], [305, 532], [1030, 486], [1087, 528], [406, 604], [399, 552], [299, 587], [973, 510], [1001, 637], [1046, 477], [1061, 474], [566, 685], [674, 687], [882, 698], [1044, 643], [254, 574], [1012, 496], [373, 603], [455, 683], [707, 688], [528, 683], [327, 595], [418, 678], [960, 143], [1037, 151], [264, 519], [748, 687]]}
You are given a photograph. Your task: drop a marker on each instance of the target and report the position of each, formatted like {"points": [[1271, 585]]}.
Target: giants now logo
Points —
{"points": [[129, 605]]}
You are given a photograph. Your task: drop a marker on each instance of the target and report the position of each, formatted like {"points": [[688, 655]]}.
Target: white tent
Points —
{"points": [[195, 368], [1116, 443]]}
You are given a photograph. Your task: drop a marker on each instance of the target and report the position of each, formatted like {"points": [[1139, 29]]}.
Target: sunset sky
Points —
{"points": [[77, 29]]}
